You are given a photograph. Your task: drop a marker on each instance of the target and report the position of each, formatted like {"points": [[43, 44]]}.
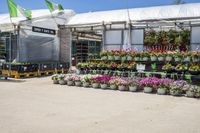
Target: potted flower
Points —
{"points": [[149, 84], [61, 79], [117, 55], [187, 57], [123, 56], [176, 88], [95, 82], [104, 80], [137, 56], [178, 56], [145, 56], [164, 84], [69, 79], [55, 79], [161, 56], [104, 55], [169, 56], [153, 56], [85, 81], [168, 68], [181, 68], [132, 66], [133, 83], [194, 69], [129, 56], [110, 55], [190, 90], [77, 80], [113, 83], [195, 56], [122, 84]]}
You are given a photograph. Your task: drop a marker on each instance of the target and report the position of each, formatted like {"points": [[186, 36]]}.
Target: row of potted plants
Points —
{"points": [[161, 86], [193, 68], [153, 55]]}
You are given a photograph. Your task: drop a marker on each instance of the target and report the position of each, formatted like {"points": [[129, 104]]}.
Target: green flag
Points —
{"points": [[16, 10], [54, 7]]}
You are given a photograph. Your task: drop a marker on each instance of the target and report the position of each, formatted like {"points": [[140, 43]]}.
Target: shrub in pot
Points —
{"points": [[164, 84], [149, 84], [133, 83], [86, 80], [176, 88], [61, 79], [55, 79]]}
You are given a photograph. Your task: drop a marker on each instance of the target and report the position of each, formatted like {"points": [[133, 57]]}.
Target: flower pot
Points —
{"points": [[129, 58], [160, 58], [70, 83], [177, 59], [55, 82], [145, 59], [168, 58], [78, 83], [86, 84], [62, 82], [195, 60], [122, 88], [95, 85], [113, 87], [110, 58], [133, 88], [117, 57], [187, 59], [148, 89], [153, 58], [104, 58], [161, 91], [175, 93], [104, 86], [190, 94], [124, 58], [136, 58]]}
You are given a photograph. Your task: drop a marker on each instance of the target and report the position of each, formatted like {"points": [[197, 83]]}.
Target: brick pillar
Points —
{"points": [[65, 44]]}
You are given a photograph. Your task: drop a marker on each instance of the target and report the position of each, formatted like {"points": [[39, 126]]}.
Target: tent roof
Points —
{"points": [[183, 11], [42, 16]]}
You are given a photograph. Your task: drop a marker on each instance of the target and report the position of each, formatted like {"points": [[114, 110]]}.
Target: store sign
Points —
{"points": [[43, 30]]}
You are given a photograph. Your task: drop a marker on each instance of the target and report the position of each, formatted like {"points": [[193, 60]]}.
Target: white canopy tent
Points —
{"points": [[170, 12], [41, 18]]}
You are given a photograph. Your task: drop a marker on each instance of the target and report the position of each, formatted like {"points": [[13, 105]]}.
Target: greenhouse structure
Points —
{"points": [[71, 37]]}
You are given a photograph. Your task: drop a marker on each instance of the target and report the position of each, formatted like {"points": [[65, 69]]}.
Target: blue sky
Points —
{"points": [[90, 5]]}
